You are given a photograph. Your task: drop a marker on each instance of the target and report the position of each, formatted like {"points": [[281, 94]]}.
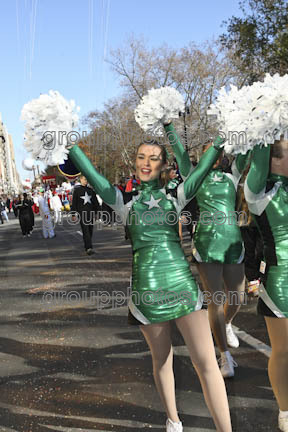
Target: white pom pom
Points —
{"points": [[28, 163], [157, 107], [49, 113], [255, 114]]}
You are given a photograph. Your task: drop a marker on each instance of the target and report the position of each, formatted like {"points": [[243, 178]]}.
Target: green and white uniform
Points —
{"points": [[267, 198], [217, 236], [162, 284]]}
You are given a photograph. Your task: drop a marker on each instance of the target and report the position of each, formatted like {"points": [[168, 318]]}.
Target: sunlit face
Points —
{"points": [[280, 165], [83, 181], [148, 162]]}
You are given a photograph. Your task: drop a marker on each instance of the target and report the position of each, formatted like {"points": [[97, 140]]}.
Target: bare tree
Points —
{"points": [[197, 72]]}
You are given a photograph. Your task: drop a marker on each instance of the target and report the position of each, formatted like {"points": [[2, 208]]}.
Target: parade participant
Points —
{"points": [[47, 224], [56, 206], [159, 265], [260, 110], [218, 248], [24, 212], [156, 247], [3, 208], [85, 203], [266, 191]]}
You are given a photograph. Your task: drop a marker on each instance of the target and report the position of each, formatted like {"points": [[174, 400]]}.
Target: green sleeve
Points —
{"points": [[195, 179], [259, 169], [100, 184], [181, 154]]}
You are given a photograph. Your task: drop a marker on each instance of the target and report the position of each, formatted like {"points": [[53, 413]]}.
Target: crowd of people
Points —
{"points": [[52, 203]]}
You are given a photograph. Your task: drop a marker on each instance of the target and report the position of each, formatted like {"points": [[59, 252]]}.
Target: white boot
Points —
{"points": [[227, 364], [283, 421], [232, 339], [173, 426]]}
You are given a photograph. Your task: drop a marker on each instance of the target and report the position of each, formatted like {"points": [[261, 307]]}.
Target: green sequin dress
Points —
{"points": [[267, 198], [217, 236], [162, 284]]}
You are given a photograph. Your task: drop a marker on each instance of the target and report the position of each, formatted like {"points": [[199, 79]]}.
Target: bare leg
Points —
{"points": [[196, 332], [278, 362], [211, 275], [234, 278], [158, 337], [180, 230]]}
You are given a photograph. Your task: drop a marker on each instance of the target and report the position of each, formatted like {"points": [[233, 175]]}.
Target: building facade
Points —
{"points": [[10, 183]]}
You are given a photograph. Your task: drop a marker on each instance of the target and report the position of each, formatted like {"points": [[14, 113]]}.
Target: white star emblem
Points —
{"points": [[86, 198], [153, 202], [216, 178]]}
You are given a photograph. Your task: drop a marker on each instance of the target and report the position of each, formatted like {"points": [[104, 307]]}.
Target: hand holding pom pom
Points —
{"points": [[157, 108], [48, 121], [252, 115]]}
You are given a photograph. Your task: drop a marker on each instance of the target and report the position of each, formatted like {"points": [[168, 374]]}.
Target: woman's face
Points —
{"points": [[280, 165], [148, 162]]}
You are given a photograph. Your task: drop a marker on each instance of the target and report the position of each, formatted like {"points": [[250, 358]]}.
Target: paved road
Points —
{"points": [[69, 361]]}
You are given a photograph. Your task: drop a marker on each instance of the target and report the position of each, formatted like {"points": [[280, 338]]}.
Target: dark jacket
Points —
{"points": [[84, 200]]}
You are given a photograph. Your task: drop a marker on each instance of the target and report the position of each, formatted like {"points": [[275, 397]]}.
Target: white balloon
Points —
{"points": [[28, 164]]}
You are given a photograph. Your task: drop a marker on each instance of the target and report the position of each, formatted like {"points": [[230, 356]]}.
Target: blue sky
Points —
{"points": [[62, 44]]}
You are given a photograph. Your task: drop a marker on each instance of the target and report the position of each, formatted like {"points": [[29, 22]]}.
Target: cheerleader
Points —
{"points": [[160, 296], [266, 192], [218, 248], [163, 288], [260, 111]]}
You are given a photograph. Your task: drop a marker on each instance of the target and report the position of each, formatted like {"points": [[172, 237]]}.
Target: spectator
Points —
{"points": [[3, 209]]}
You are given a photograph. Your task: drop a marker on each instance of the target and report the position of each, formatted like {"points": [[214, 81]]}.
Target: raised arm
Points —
{"points": [[188, 189], [182, 157], [101, 185], [259, 170], [241, 161], [238, 166]]}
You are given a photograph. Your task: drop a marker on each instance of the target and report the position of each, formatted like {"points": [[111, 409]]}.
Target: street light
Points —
{"points": [[186, 111]]}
